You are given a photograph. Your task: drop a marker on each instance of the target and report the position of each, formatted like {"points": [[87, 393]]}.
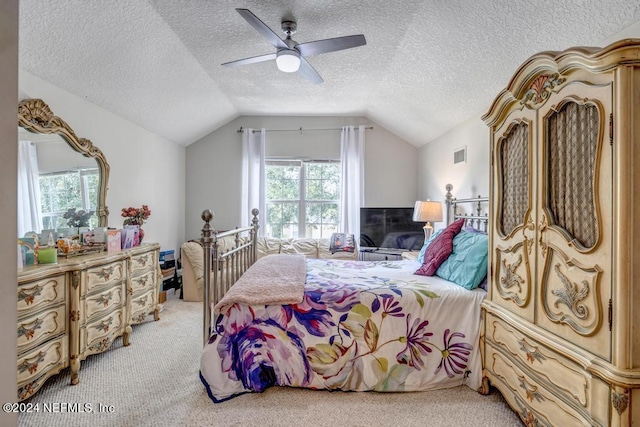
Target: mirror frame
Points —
{"points": [[35, 116]]}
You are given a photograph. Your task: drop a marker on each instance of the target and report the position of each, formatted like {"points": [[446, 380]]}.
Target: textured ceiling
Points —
{"points": [[427, 66]]}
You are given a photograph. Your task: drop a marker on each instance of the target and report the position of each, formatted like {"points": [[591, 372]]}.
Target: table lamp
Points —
{"points": [[427, 212]]}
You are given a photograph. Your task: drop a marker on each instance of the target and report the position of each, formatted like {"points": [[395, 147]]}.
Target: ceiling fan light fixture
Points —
{"points": [[288, 60]]}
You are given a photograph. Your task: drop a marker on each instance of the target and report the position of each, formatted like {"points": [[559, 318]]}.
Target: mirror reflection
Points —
{"points": [[66, 181], [62, 179]]}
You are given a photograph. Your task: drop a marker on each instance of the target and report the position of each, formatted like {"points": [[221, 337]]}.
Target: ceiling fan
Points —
{"points": [[290, 55]]}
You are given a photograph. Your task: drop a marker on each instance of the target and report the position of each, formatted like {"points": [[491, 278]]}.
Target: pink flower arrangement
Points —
{"points": [[135, 216]]}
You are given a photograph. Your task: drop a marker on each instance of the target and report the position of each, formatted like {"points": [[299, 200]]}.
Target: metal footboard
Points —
{"points": [[223, 268]]}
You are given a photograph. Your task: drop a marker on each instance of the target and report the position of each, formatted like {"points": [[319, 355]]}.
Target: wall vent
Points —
{"points": [[460, 155]]}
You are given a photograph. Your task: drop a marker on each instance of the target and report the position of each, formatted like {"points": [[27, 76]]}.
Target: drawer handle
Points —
{"points": [[142, 260], [101, 345], [105, 273], [139, 318], [28, 295], [104, 299], [27, 390], [104, 325], [530, 391], [531, 352], [28, 331], [31, 365]]}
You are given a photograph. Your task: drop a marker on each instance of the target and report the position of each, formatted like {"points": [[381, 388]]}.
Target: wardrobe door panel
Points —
{"points": [[513, 231], [574, 251]]}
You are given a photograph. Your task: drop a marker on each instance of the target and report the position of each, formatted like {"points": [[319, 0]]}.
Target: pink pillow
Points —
{"points": [[440, 249]]}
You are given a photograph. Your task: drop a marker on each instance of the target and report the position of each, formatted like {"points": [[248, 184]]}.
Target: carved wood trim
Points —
{"points": [[541, 88], [620, 401], [36, 116]]}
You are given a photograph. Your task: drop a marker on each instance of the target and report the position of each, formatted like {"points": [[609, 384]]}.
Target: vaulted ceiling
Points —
{"points": [[427, 66]]}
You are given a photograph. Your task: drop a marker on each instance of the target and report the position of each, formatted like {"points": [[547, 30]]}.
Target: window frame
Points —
{"points": [[302, 200]]}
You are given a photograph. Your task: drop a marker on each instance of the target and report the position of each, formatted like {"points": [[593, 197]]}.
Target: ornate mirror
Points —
{"points": [[68, 172]]}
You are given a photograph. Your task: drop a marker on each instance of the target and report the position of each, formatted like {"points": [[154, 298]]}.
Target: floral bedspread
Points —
{"points": [[362, 326]]}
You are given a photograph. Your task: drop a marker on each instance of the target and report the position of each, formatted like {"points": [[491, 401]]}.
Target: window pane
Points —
{"points": [[330, 213], [331, 190], [282, 219], [291, 172], [91, 184], [321, 219], [290, 189], [314, 190], [273, 189], [283, 181], [314, 170]]}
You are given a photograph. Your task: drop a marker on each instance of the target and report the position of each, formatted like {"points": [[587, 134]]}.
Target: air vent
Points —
{"points": [[460, 155]]}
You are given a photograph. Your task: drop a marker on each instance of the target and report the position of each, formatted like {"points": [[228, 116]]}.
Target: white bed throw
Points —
{"points": [[273, 279]]}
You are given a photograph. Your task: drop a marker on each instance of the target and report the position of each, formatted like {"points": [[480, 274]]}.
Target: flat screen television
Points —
{"points": [[392, 228]]}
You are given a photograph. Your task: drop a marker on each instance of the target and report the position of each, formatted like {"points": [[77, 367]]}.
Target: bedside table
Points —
{"points": [[380, 254]]}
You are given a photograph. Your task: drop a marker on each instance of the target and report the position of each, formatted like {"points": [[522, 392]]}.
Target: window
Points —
{"points": [[303, 198], [60, 191]]}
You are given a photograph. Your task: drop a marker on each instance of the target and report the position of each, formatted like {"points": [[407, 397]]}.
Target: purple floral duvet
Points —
{"points": [[362, 326]]}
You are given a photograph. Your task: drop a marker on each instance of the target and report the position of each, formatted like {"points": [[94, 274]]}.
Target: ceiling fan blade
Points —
{"points": [[330, 45], [308, 72], [262, 28], [252, 60]]}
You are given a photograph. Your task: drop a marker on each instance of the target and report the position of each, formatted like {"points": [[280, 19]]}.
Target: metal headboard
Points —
{"points": [[479, 220]]}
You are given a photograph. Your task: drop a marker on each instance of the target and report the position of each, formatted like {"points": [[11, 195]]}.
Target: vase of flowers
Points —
{"points": [[136, 216]]}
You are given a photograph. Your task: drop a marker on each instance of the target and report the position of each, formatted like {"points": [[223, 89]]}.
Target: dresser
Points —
{"points": [[562, 316], [78, 307]]}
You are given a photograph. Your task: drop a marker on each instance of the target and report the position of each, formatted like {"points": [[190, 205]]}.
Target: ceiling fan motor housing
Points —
{"points": [[289, 27]]}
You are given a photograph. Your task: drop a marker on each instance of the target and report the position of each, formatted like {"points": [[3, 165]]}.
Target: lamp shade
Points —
{"points": [[288, 60], [427, 211]]}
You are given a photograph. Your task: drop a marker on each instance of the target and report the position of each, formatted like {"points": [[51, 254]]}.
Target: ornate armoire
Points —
{"points": [[562, 315]]}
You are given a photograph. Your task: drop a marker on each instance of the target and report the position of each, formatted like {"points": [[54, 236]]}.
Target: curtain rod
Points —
{"points": [[297, 130]]}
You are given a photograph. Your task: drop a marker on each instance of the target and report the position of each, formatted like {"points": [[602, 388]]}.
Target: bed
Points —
{"points": [[285, 320]]}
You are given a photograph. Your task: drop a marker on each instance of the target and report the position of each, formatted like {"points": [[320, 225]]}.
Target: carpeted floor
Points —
{"points": [[154, 382]]}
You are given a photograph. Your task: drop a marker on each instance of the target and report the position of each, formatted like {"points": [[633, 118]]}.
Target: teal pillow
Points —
{"points": [[426, 244], [467, 264]]}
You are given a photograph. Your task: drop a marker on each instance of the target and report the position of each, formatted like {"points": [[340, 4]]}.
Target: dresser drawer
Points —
{"points": [[550, 369], [143, 282], [143, 262], [40, 294], [41, 327], [105, 275], [98, 334], [534, 403], [141, 306], [99, 303], [549, 366], [42, 359]]}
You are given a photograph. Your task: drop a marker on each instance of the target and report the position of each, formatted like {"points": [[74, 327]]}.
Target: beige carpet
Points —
{"points": [[154, 382]]}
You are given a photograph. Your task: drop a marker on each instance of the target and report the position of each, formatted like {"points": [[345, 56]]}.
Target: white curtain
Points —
{"points": [[29, 207], [253, 177], [352, 190]]}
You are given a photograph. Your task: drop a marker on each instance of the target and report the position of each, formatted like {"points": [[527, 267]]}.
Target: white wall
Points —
{"points": [[437, 169], [9, 230], [144, 168], [213, 164]]}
